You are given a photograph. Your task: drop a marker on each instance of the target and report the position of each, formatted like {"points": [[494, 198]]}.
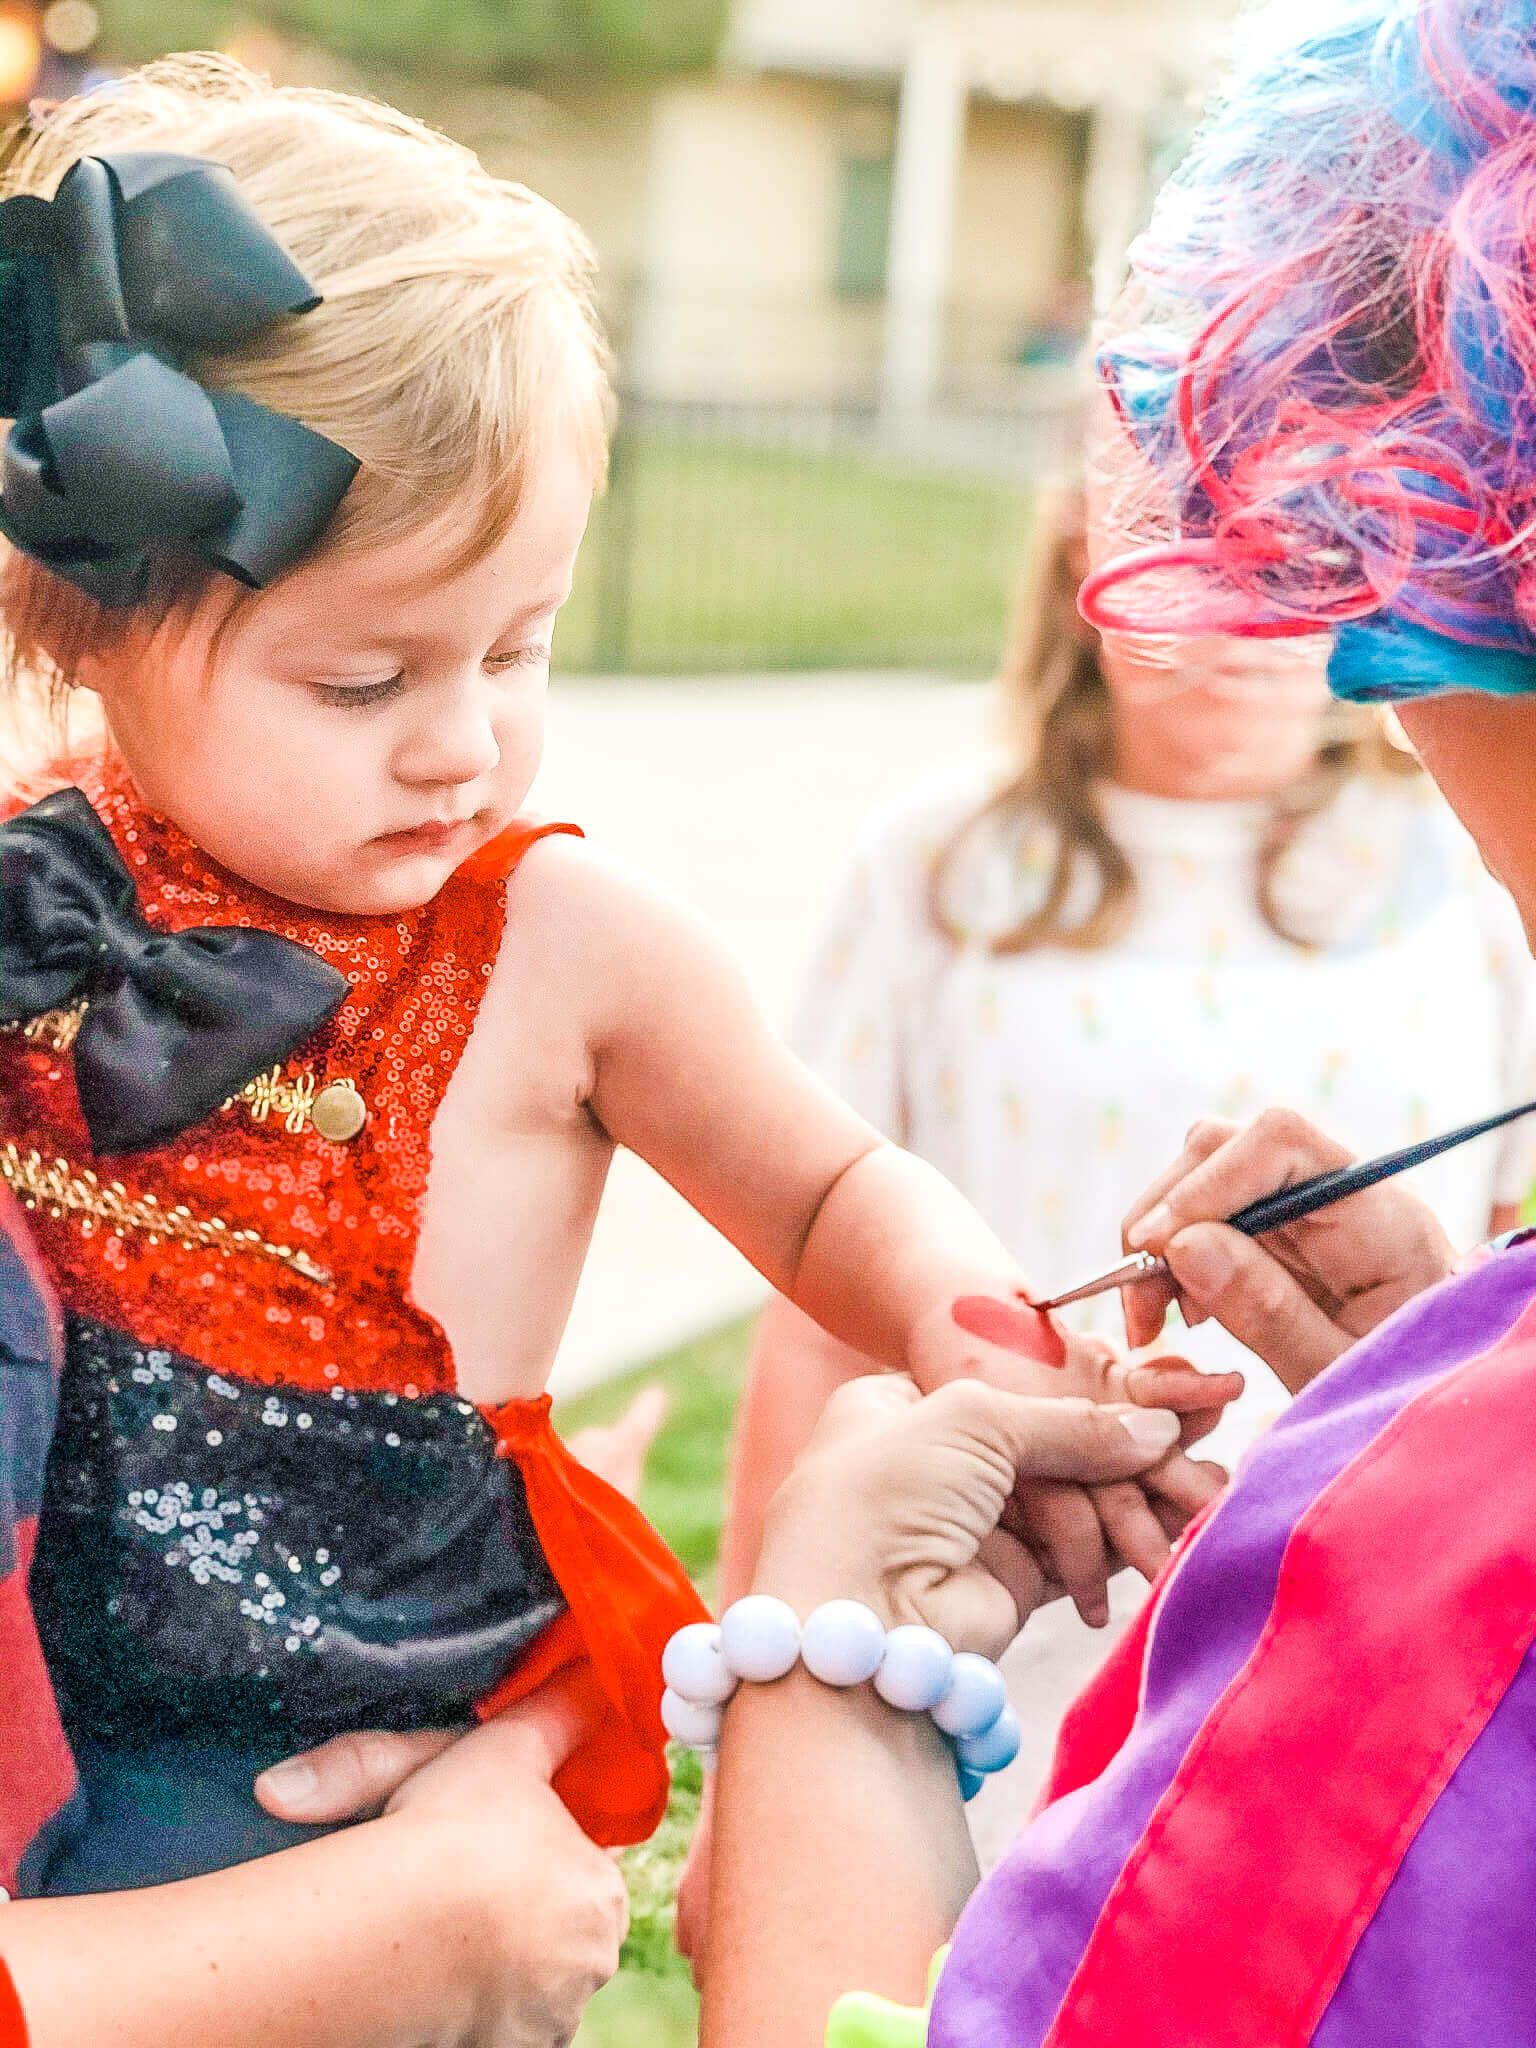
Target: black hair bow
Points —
{"points": [[176, 1022], [140, 261]]}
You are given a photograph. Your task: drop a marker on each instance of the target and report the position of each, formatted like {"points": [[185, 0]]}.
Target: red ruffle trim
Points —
{"points": [[13, 2021], [626, 1594]]}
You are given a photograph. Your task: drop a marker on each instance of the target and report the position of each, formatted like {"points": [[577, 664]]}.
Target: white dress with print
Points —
{"points": [[1052, 1086]]}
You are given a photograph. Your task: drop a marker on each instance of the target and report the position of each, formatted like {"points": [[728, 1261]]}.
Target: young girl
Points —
{"points": [[319, 1050]]}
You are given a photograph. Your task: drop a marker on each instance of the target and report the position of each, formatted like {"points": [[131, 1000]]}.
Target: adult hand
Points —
{"points": [[475, 1914], [1081, 1535], [898, 1497], [553, 1905], [358, 1774], [1300, 1296], [545, 1909]]}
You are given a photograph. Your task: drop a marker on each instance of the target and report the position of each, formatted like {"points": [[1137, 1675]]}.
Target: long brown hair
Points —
{"points": [[1057, 708]]}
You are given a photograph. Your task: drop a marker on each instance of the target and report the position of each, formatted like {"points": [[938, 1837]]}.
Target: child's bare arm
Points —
{"points": [[871, 1243]]}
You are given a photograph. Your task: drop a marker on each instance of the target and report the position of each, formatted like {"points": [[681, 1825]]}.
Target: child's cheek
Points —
{"points": [[1012, 1327]]}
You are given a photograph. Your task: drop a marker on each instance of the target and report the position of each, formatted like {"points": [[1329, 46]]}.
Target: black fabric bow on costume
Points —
{"points": [[176, 1022], [141, 261]]}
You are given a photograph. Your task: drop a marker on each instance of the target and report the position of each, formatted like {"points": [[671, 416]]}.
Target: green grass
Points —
{"points": [[642, 2012], [651, 2003], [684, 1489], [710, 553]]}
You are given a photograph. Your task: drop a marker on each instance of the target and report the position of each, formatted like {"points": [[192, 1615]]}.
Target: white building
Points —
{"points": [[904, 198]]}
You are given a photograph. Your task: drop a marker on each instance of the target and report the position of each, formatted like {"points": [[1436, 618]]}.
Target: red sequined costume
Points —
{"points": [[253, 1250]]}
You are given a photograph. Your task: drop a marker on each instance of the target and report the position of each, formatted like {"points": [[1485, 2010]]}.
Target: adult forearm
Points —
{"points": [[354, 1941], [892, 1243], [841, 1861]]}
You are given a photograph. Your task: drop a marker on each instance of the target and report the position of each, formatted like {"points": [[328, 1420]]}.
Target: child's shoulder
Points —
{"points": [[593, 917]]}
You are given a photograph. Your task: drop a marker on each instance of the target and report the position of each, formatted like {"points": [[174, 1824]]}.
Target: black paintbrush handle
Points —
{"points": [[1289, 1205]]}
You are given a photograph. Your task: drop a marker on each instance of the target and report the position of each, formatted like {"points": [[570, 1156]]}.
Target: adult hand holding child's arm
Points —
{"points": [[841, 1855], [475, 1914]]}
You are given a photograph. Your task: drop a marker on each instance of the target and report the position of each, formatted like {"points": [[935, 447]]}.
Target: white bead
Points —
{"points": [[844, 1642], [759, 1638], [686, 1721], [693, 1666], [914, 1672], [995, 1750], [976, 1696]]}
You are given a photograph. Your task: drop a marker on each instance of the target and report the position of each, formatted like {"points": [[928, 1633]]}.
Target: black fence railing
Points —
{"points": [[750, 536]]}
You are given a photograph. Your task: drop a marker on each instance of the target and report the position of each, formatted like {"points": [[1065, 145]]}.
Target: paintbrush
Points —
{"points": [[1289, 1205]]}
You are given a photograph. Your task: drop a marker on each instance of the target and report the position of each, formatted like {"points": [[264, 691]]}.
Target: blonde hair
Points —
{"points": [[1057, 706], [456, 335]]}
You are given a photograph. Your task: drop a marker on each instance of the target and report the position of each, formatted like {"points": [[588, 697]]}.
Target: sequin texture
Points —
{"points": [[269, 1560], [415, 986], [303, 1528]]}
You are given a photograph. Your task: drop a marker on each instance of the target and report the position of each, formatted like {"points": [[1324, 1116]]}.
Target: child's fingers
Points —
{"points": [[1171, 1520], [1063, 1523], [1199, 1399], [1175, 1383], [1197, 1423], [1187, 1484], [1132, 1530], [1017, 1570]]}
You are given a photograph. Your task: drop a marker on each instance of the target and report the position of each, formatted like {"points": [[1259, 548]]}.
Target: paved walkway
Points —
{"points": [[745, 795]]}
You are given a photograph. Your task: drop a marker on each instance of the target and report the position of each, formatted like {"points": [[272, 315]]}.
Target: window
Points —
{"points": [[863, 226]]}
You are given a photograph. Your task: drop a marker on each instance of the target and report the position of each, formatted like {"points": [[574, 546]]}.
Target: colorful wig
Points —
{"points": [[1324, 368]]}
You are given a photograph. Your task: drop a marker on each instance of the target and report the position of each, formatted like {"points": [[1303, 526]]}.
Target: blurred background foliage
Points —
{"points": [[510, 40]]}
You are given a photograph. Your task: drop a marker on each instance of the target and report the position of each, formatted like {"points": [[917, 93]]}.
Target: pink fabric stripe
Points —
{"points": [[1405, 1605]]}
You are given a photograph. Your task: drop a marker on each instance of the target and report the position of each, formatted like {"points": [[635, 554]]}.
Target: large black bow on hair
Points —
{"points": [[176, 1022], [140, 261]]}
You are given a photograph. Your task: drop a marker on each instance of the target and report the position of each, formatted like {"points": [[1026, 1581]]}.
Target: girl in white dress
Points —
{"points": [[1192, 889]]}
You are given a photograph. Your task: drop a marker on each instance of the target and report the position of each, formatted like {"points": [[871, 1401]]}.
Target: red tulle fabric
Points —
{"points": [[13, 2021], [599, 1546], [416, 981]]}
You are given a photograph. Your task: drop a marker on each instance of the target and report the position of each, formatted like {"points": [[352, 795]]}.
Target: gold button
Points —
{"points": [[338, 1112]]}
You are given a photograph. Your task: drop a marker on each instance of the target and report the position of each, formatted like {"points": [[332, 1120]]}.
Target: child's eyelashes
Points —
{"points": [[534, 656], [355, 696], [358, 696]]}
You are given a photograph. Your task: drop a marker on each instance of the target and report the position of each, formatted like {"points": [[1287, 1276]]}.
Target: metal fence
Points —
{"points": [[753, 536]]}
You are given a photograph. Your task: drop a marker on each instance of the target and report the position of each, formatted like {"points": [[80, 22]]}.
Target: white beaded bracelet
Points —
{"points": [[842, 1643]]}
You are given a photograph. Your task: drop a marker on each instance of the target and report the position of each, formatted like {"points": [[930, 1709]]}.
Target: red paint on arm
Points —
{"points": [[1028, 1331]]}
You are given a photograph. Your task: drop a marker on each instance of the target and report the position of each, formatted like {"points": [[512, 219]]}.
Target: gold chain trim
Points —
{"points": [[271, 1095], [57, 1029], [60, 1187]]}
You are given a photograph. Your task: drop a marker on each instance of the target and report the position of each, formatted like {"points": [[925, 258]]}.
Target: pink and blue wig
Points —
{"points": [[1325, 363]]}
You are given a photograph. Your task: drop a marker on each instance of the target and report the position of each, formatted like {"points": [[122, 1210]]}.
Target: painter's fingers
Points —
{"points": [[1259, 1300], [1145, 1305]]}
